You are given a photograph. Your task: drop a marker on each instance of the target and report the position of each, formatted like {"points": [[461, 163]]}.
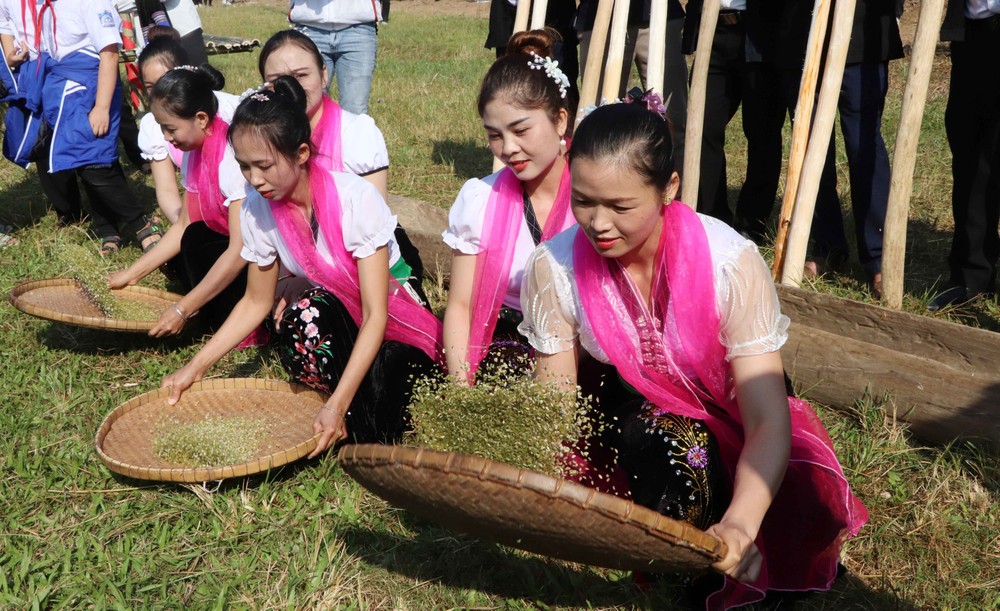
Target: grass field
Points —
{"points": [[73, 535]]}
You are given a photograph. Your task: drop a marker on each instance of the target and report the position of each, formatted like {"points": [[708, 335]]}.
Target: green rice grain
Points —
{"points": [[212, 442], [91, 273]]}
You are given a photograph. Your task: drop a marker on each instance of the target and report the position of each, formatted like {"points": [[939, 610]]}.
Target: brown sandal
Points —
{"points": [[150, 229], [110, 245]]}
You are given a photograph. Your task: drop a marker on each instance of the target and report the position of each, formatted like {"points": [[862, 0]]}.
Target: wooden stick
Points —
{"points": [[521, 16], [696, 103], [595, 53], [538, 9], [905, 155], [657, 46], [616, 52], [819, 142], [801, 126]]}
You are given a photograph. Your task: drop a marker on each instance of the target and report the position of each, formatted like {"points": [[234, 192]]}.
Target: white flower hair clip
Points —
{"points": [[186, 67], [256, 93], [552, 70]]}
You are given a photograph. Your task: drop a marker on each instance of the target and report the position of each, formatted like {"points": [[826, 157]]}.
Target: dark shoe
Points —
{"points": [[875, 285], [954, 296], [149, 231], [110, 245]]}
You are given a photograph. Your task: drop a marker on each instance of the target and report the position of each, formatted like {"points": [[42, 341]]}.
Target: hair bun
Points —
{"points": [[290, 88], [539, 42]]}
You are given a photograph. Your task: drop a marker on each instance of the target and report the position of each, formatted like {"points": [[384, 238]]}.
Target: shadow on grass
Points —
{"points": [[83, 340], [469, 158]]}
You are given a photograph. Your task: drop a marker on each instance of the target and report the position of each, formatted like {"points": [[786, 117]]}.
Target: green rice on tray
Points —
{"points": [[91, 273], [508, 416], [213, 442]]}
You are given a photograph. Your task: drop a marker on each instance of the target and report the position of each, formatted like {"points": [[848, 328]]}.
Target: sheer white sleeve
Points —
{"points": [[547, 303], [750, 318]]}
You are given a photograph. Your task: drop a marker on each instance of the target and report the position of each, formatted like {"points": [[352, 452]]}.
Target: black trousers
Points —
{"points": [[972, 121], [201, 247], [733, 81]]}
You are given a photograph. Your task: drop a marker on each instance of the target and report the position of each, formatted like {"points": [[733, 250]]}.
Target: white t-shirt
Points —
{"points": [[465, 230], [334, 15], [81, 25], [153, 146], [366, 222], [12, 24], [362, 147], [750, 318], [183, 15]]}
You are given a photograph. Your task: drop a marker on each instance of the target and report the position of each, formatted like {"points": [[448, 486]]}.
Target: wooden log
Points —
{"points": [[696, 103], [538, 10], [801, 126], [819, 142], [616, 52], [592, 70], [905, 155], [657, 46], [521, 16]]}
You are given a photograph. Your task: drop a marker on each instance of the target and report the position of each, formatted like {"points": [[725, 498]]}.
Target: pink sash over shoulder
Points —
{"points": [[501, 226], [326, 136], [409, 322], [814, 510], [205, 201]]}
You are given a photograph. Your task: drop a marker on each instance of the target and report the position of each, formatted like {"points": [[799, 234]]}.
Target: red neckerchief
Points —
{"points": [[36, 18]]}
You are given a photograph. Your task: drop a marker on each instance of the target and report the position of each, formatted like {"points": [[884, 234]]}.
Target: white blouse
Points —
{"points": [[750, 318], [465, 230], [362, 146], [366, 222]]}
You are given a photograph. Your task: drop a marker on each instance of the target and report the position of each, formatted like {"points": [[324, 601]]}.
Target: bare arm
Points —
{"points": [[168, 196], [558, 369], [245, 317], [166, 249], [223, 272], [107, 78], [380, 180], [458, 316], [760, 392], [373, 276]]}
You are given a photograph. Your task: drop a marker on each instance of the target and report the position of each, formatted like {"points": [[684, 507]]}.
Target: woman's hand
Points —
{"points": [[330, 424], [179, 381], [170, 322], [120, 279], [743, 559]]}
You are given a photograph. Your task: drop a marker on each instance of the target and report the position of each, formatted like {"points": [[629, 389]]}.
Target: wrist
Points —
{"points": [[180, 311]]}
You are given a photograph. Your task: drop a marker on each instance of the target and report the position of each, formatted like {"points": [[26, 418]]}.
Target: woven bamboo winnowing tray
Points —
{"points": [[62, 300], [529, 510], [125, 438]]}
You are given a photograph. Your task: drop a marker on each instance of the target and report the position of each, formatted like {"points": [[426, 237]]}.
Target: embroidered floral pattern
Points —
{"points": [[306, 354], [687, 440]]}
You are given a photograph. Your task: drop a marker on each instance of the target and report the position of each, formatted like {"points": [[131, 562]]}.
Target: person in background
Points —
{"points": [[345, 31], [184, 18], [972, 121]]}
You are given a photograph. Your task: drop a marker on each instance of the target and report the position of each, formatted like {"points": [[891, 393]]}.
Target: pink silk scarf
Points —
{"points": [[502, 225], [205, 200], [814, 510], [409, 322], [326, 136]]}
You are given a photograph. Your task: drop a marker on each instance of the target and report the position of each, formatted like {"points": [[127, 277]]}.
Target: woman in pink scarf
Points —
{"points": [[685, 310], [362, 334], [203, 246], [498, 220]]}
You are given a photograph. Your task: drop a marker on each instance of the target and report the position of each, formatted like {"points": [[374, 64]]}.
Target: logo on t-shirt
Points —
{"points": [[107, 20]]}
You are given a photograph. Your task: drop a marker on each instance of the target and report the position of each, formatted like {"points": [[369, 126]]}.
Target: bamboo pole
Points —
{"points": [[819, 142], [521, 16], [657, 45], [801, 126], [616, 51], [696, 103], [905, 155], [538, 10], [595, 54]]}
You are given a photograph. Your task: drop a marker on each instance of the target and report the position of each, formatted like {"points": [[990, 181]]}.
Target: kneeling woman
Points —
{"points": [[206, 238], [685, 310], [362, 334]]}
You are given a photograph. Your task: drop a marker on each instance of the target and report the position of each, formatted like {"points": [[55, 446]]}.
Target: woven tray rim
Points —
{"points": [[477, 467], [90, 322], [205, 474]]}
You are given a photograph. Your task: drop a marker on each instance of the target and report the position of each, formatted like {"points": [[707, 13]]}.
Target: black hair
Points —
{"points": [[513, 77], [184, 92], [289, 37], [627, 134], [165, 49], [278, 116]]}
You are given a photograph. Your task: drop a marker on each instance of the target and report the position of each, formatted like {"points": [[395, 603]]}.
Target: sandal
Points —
{"points": [[151, 229], [7, 236], [110, 245]]}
